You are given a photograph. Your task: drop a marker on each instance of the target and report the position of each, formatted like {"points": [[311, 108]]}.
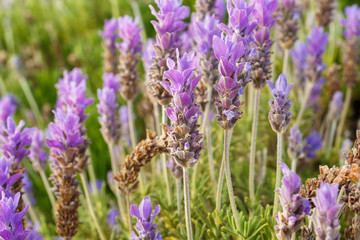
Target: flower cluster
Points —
{"points": [[295, 149], [168, 27], [287, 23], [279, 114], [183, 112], [108, 108], [37, 154], [351, 51], [326, 223], [336, 105], [7, 107], [7, 180], [260, 61], [145, 226], [11, 226], [214, 8], [110, 37], [64, 138], [228, 51], [130, 48], [313, 143], [295, 207]]}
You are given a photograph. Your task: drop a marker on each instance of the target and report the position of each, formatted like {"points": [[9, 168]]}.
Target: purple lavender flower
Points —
{"points": [[64, 133], [352, 23], [34, 235], [145, 228], [148, 54], [7, 180], [295, 207], [125, 128], [129, 33], [71, 93], [110, 36], [315, 94], [11, 222], [109, 119], [326, 223], [175, 169], [313, 143], [316, 44], [336, 105], [27, 184], [295, 149], [15, 140], [111, 81], [204, 32], [287, 23], [168, 26], [37, 154], [111, 218], [227, 104], [214, 8], [279, 114], [299, 59], [183, 112], [7, 107]]}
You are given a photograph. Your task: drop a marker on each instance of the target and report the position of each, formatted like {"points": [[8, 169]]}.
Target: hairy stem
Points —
{"points": [[220, 184], [49, 192], [286, 61], [211, 157], [90, 206], [163, 163], [253, 146], [127, 199], [187, 203], [278, 171], [343, 116], [179, 205], [294, 164], [227, 140]]}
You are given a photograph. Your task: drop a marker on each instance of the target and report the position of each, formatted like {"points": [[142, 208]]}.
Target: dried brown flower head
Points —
{"points": [[325, 12], [350, 62]]}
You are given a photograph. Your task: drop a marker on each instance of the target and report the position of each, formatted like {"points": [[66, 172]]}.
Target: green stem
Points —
{"points": [[115, 8], [90, 206], [30, 98], [220, 184], [332, 135], [211, 157], [343, 116], [278, 171], [286, 61], [136, 10], [131, 124], [308, 87], [32, 213], [163, 162], [253, 146], [227, 140], [127, 199], [187, 203], [294, 164], [179, 205], [49, 192]]}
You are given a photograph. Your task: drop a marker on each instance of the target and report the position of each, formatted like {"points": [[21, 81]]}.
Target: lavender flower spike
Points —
{"points": [[7, 107], [11, 222], [336, 105], [37, 154], [14, 140], [313, 143], [185, 146], [145, 228], [130, 48], [7, 180], [287, 23], [279, 114], [326, 223], [227, 104], [295, 207], [110, 36], [295, 149], [168, 27]]}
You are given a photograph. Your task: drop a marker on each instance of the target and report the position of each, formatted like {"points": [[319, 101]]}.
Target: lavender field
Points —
{"points": [[171, 119]]}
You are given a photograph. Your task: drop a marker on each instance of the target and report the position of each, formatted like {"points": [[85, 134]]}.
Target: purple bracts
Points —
{"points": [[37, 154], [185, 146], [111, 81], [294, 207], [313, 143], [129, 33], [327, 225], [279, 114], [203, 33], [64, 133], [145, 228], [7, 107], [298, 55], [14, 140], [11, 222], [228, 51], [295, 149], [110, 34], [7, 180], [71, 94], [352, 22]]}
